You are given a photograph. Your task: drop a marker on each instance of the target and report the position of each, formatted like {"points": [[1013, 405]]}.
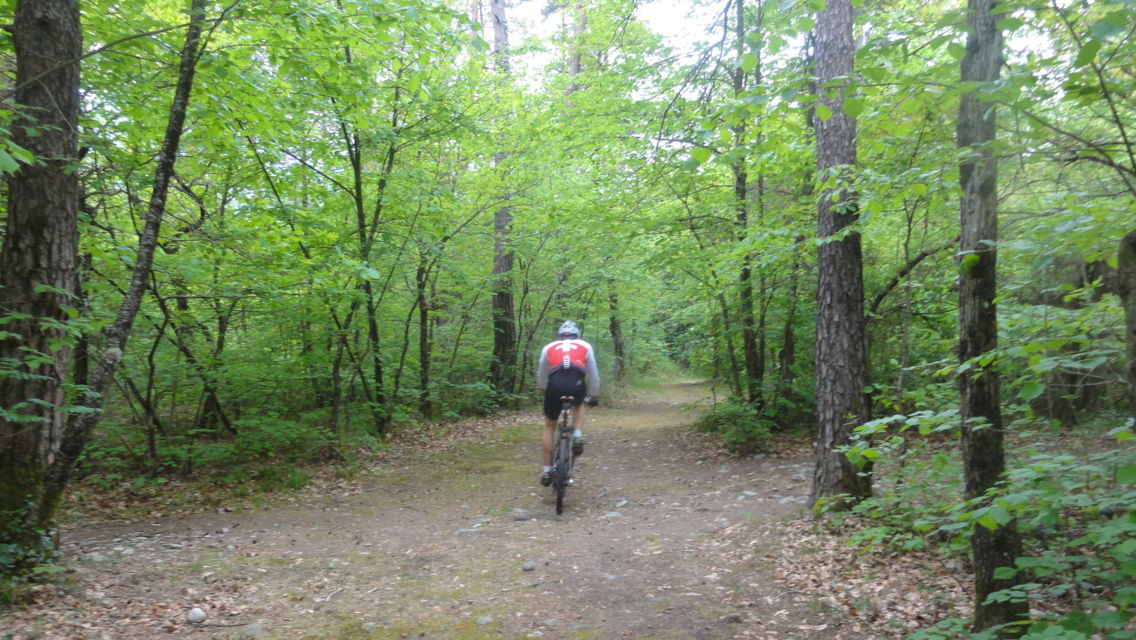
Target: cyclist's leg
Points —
{"points": [[551, 411], [546, 440], [579, 414]]}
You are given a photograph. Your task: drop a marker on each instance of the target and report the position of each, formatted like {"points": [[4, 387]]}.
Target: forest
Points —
{"points": [[242, 238]]}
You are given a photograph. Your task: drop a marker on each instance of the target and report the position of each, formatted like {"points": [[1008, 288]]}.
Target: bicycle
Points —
{"points": [[563, 455]]}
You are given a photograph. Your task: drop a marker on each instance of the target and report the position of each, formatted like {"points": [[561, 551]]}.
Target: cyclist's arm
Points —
{"points": [[542, 370], [593, 374]]}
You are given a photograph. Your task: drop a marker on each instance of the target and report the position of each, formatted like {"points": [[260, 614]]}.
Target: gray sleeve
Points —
{"points": [[542, 370], [593, 374]]}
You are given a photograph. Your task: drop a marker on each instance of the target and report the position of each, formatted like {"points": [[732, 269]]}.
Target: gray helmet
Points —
{"points": [[569, 330]]}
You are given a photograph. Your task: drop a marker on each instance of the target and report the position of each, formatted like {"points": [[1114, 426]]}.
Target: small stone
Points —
{"points": [[528, 566], [98, 558], [254, 630], [469, 532], [733, 618], [195, 616], [484, 620], [520, 515], [613, 514], [535, 634], [620, 504], [749, 493]]}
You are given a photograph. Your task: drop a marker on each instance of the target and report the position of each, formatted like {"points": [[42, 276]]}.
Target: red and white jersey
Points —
{"points": [[569, 354]]}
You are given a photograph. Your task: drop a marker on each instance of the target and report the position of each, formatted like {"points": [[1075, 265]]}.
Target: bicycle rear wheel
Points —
{"points": [[562, 471]]}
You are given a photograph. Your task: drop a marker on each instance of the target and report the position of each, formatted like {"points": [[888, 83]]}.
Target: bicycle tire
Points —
{"points": [[562, 472]]}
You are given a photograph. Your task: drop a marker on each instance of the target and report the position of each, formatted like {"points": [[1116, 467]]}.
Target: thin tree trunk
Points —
{"points": [[38, 266], [1126, 281], [615, 328], [741, 202], [502, 367], [982, 433], [421, 279], [841, 358], [79, 428], [787, 356], [210, 412]]}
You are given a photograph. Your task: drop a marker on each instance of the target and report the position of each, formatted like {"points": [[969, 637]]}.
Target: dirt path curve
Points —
{"points": [[657, 540]]}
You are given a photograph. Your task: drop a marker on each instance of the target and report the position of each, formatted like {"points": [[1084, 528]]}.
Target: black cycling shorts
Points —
{"points": [[563, 382]]}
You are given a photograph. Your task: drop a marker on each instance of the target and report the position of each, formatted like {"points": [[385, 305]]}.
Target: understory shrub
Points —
{"points": [[121, 453], [1076, 514], [739, 425]]}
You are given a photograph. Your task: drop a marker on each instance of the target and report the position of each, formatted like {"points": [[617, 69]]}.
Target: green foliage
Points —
{"points": [[27, 554], [739, 425], [121, 454], [1076, 514]]}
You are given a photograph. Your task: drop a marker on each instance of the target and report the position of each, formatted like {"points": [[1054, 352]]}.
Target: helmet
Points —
{"points": [[569, 330]]}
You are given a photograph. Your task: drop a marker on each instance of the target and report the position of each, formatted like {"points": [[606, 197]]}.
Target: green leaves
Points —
{"points": [[1087, 53], [748, 62], [1126, 474], [1113, 23], [1031, 390], [701, 155]]}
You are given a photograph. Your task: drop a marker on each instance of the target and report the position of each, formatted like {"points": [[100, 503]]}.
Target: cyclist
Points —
{"points": [[567, 368]]}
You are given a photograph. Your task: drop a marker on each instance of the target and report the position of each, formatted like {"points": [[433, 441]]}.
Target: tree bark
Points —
{"points": [[38, 262], [503, 366], [1126, 285], [425, 347], [787, 355], [615, 328], [750, 354], [841, 358], [982, 447], [78, 429]]}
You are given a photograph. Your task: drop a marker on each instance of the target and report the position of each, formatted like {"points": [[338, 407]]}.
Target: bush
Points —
{"points": [[739, 425], [1076, 514]]}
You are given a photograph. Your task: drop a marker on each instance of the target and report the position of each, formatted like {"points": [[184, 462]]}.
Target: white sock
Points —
{"points": [[547, 468], [577, 434]]}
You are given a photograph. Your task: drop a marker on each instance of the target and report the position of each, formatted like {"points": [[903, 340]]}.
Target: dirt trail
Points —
{"points": [[658, 540]]}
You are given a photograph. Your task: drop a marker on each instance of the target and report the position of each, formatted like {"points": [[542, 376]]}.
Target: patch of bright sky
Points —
{"points": [[682, 24]]}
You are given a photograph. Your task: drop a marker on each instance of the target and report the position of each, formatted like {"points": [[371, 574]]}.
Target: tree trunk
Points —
{"points": [[422, 279], [210, 411], [982, 448], [1126, 284], [502, 368], [787, 356], [615, 327], [38, 264], [79, 427], [841, 358], [750, 354]]}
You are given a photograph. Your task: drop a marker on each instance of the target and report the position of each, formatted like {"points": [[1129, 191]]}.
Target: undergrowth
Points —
{"points": [[1076, 513], [739, 425]]}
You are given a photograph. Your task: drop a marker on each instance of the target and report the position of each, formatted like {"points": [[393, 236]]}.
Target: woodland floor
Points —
{"points": [[450, 536]]}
